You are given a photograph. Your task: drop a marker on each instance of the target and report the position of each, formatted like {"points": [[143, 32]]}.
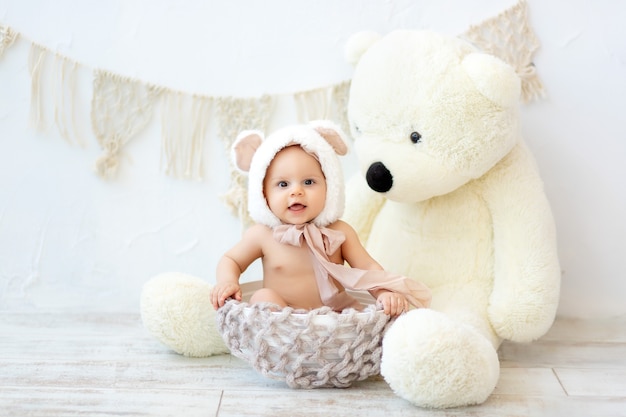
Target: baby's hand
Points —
{"points": [[393, 303], [221, 292]]}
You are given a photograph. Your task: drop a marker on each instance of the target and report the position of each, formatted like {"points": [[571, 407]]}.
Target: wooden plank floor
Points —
{"points": [[107, 365]]}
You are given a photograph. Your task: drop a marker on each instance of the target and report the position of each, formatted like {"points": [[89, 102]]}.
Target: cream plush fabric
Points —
{"points": [[176, 309], [458, 205]]}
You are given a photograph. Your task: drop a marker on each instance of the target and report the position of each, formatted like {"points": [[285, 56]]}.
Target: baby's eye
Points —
{"points": [[309, 182], [282, 184]]}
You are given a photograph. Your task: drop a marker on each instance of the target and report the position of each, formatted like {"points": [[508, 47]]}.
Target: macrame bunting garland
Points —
{"points": [[122, 107]]}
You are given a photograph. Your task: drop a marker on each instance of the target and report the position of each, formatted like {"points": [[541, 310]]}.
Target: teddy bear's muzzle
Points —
{"points": [[379, 178]]}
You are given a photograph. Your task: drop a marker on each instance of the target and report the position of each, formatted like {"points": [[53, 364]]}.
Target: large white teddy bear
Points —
{"points": [[449, 194]]}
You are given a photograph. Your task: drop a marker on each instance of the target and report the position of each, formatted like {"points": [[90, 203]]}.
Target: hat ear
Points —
{"points": [[245, 147], [332, 134]]}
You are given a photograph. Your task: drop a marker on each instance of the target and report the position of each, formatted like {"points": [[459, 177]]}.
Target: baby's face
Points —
{"points": [[295, 186]]}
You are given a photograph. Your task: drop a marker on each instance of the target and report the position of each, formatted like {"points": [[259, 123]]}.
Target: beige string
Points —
{"points": [[324, 103], [312, 104], [201, 116], [36, 60], [59, 98], [64, 98], [184, 122], [63, 91]]}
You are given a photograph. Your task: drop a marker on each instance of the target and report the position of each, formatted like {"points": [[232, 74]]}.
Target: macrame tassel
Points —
{"points": [[184, 123], [36, 61], [324, 103], [312, 104], [7, 37], [64, 100], [509, 37], [53, 85], [235, 115], [120, 109]]}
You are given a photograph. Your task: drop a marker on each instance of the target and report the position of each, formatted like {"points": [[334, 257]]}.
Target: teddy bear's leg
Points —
{"points": [[433, 361], [176, 309]]}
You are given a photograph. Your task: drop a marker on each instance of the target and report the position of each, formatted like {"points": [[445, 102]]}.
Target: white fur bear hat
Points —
{"points": [[253, 153]]}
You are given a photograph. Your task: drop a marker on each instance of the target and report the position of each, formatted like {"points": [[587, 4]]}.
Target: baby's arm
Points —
{"points": [[233, 263], [228, 272], [353, 251], [357, 256]]}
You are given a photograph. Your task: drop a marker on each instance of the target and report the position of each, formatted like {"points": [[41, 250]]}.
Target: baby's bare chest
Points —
{"points": [[282, 259], [285, 259]]}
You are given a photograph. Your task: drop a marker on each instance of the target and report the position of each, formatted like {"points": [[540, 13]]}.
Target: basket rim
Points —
{"points": [[248, 288]]}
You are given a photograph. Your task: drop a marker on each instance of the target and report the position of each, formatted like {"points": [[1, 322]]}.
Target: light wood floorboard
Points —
{"points": [[60, 364]]}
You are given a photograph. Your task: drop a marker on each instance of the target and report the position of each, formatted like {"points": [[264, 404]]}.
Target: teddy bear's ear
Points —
{"points": [[245, 146], [332, 134], [493, 78], [359, 43]]}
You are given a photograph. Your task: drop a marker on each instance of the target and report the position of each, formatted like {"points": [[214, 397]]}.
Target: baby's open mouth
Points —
{"points": [[297, 207]]}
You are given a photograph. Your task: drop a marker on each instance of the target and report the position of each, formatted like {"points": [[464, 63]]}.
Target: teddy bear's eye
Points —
{"points": [[415, 137]]}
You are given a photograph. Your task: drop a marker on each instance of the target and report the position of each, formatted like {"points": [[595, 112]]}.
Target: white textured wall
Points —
{"points": [[70, 240]]}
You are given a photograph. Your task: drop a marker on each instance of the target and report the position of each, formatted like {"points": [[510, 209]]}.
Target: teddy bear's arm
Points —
{"points": [[362, 206], [526, 268]]}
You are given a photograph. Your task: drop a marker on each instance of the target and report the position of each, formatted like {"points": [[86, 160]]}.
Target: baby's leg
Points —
{"points": [[266, 295]]}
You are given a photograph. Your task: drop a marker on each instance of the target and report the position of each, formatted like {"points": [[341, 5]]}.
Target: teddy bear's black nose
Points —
{"points": [[379, 178]]}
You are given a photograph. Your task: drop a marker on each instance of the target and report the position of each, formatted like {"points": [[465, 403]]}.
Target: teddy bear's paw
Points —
{"points": [[176, 310], [529, 316], [434, 362]]}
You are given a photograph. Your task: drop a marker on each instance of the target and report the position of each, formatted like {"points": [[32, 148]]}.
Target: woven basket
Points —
{"points": [[306, 349]]}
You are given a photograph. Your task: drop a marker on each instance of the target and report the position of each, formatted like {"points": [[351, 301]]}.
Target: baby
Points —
{"points": [[296, 196]]}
